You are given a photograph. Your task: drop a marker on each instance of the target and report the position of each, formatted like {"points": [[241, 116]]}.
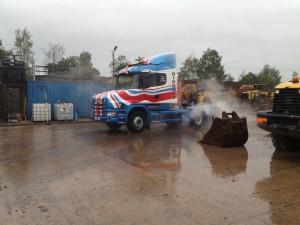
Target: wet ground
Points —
{"points": [[84, 174]]}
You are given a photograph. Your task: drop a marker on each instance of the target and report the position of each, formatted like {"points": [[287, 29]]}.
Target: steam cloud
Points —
{"points": [[223, 99]]}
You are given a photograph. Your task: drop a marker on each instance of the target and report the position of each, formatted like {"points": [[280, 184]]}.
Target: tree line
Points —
{"points": [[208, 66], [53, 56]]}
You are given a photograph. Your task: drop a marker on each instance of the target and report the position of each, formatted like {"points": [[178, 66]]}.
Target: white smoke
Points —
{"points": [[223, 99]]}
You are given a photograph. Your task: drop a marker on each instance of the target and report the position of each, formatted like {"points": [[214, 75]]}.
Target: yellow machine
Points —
{"points": [[193, 93], [188, 94], [252, 91], [259, 95], [282, 121]]}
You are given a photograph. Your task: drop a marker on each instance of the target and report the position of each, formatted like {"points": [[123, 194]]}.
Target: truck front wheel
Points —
{"points": [[136, 122], [285, 143]]}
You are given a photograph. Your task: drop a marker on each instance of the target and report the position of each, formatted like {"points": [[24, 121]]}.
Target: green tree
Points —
{"points": [[229, 77], [68, 64], [4, 54], [189, 69], [269, 75], [249, 78], [210, 66], [23, 47], [120, 63], [80, 64], [54, 54], [294, 73], [85, 60]]}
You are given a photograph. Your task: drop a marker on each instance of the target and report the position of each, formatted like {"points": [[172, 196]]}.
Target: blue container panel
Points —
{"points": [[79, 94]]}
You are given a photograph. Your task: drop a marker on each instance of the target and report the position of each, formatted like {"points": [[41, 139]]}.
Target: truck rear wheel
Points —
{"points": [[284, 143], [198, 120], [136, 122]]}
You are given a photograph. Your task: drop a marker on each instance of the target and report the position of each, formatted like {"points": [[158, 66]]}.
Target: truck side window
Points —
{"points": [[156, 79], [161, 79]]}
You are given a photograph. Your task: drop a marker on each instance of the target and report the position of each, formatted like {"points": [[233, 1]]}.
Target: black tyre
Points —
{"points": [[283, 143], [245, 96], [198, 120], [113, 126], [136, 122]]}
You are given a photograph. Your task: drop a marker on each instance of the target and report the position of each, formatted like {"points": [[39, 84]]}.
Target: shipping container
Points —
{"points": [[77, 93]]}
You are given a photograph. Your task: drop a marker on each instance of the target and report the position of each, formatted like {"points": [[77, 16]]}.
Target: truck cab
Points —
{"points": [[145, 92]]}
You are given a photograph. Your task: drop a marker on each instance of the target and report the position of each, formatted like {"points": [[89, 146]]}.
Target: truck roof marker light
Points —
{"points": [[295, 79], [261, 120]]}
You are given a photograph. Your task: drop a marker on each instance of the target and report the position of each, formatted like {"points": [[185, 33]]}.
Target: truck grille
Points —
{"points": [[287, 101], [97, 108]]}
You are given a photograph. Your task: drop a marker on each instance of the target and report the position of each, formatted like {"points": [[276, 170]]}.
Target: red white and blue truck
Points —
{"points": [[146, 92]]}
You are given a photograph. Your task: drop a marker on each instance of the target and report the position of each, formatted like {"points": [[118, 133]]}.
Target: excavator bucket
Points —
{"points": [[228, 131]]}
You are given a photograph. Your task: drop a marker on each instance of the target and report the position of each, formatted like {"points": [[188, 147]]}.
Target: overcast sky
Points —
{"points": [[247, 33]]}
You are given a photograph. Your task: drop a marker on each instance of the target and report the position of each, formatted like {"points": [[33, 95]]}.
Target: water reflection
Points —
{"points": [[226, 162], [151, 152], [14, 150], [281, 189], [157, 157]]}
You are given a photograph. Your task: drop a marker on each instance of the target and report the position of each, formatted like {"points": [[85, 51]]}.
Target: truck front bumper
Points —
{"points": [[280, 124], [106, 119]]}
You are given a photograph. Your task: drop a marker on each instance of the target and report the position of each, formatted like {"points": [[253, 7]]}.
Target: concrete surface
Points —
{"points": [[81, 173], [30, 122]]}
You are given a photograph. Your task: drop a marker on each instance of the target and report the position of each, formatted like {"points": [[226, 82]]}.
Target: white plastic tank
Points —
{"points": [[63, 111], [41, 112]]}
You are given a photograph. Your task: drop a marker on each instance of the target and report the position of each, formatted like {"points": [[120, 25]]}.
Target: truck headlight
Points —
{"points": [[276, 91], [98, 102], [112, 114]]}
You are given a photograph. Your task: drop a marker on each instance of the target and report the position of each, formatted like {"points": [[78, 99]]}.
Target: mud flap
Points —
{"points": [[227, 131]]}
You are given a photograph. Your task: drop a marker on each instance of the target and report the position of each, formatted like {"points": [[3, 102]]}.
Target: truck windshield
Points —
{"points": [[127, 82]]}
